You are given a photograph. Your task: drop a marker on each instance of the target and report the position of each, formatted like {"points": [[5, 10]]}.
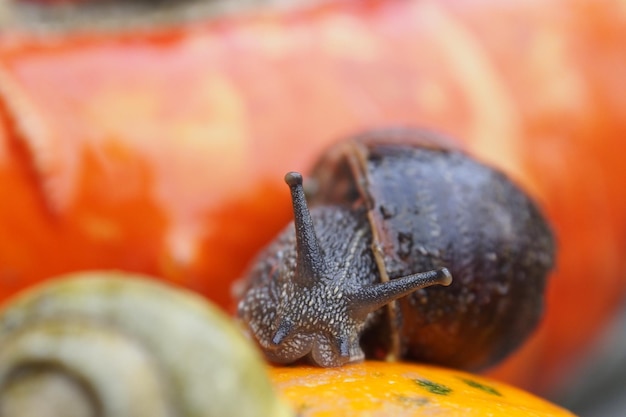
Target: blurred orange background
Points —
{"points": [[162, 150]]}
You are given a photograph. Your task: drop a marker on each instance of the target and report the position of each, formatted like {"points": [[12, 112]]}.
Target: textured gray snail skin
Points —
{"points": [[410, 202], [110, 344]]}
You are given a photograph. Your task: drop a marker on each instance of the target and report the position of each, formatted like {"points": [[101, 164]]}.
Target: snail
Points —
{"points": [[112, 344], [391, 213]]}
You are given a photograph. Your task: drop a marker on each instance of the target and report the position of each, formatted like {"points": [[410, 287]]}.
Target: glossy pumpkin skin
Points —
{"points": [[160, 151]]}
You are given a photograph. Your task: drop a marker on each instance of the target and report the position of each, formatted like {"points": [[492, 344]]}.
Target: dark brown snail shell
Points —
{"points": [[391, 213]]}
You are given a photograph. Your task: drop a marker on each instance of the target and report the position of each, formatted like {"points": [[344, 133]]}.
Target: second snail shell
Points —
{"points": [[110, 344]]}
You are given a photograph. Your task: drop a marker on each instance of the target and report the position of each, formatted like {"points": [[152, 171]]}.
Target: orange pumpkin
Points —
{"points": [[402, 389], [162, 151]]}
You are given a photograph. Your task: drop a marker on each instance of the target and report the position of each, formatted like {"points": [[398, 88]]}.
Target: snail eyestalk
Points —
{"points": [[309, 261], [373, 297]]}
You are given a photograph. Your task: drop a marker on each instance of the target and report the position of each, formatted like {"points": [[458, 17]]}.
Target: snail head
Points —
{"points": [[307, 309]]}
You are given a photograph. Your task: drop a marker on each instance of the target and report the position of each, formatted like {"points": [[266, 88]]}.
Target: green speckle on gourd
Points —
{"points": [[433, 387], [483, 387]]}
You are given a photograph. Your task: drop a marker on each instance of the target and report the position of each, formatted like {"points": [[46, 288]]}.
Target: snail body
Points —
{"points": [[112, 344], [391, 213]]}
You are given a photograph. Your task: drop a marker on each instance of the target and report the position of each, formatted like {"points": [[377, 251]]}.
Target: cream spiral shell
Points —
{"points": [[110, 344]]}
